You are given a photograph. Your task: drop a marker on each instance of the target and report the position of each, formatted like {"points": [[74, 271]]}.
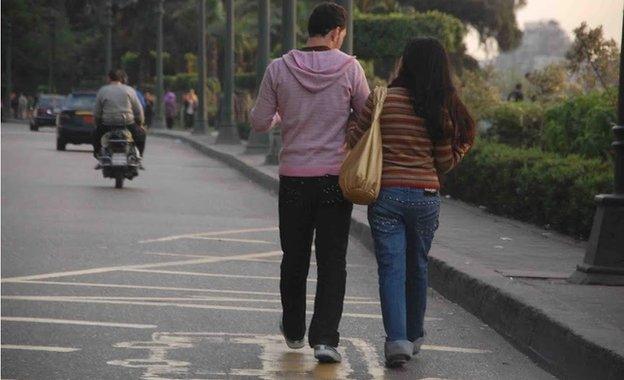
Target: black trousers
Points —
{"points": [[138, 135], [309, 205]]}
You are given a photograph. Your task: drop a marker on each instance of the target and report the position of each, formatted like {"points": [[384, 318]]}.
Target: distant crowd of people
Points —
{"points": [[20, 105]]}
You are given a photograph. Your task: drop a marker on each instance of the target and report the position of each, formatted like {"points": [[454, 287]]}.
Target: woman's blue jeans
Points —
{"points": [[403, 222]]}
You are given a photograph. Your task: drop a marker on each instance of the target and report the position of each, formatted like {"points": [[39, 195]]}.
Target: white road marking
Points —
{"points": [[196, 298], [221, 275], [277, 361], [211, 259], [71, 299], [454, 349], [211, 233], [233, 240], [173, 289], [77, 322], [38, 348]]}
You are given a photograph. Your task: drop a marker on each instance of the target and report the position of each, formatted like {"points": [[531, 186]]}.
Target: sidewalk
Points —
{"points": [[509, 274]]}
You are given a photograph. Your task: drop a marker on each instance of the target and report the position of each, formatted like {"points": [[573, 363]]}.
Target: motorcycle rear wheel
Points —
{"points": [[119, 180]]}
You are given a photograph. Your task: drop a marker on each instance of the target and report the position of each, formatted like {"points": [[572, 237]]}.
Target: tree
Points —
{"points": [[491, 18], [593, 58], [548, 83]]}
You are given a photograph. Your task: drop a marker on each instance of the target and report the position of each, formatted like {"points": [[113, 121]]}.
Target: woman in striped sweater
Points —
{"points": [[426, 130]]}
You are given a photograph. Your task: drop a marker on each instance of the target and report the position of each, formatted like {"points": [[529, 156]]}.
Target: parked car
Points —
{"points": [[76, 123], [46, 110]]}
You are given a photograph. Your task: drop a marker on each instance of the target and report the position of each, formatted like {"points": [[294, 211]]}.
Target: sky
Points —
{"points": [[569, 13]]}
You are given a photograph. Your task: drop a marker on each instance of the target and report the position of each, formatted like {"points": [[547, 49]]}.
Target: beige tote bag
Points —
{"points": [[360, 174]]}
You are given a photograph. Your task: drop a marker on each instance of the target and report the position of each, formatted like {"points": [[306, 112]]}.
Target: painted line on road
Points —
{"points": [[173, 289], [179, 305], [233, 240], [454, 349], [220, 275], [77, 322], [211, 259], [162, 299], [38, 348], [211, 233], [312, 263]]}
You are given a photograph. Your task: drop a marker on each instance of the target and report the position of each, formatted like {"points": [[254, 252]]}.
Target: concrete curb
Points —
{"points": [[551, 343]]}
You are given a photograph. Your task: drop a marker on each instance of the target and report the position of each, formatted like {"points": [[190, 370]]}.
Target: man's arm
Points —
{"points": [[98, 110], [263, 115]]}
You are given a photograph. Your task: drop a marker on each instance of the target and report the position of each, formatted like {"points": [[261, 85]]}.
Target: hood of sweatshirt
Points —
{"points": [[317, 70]]}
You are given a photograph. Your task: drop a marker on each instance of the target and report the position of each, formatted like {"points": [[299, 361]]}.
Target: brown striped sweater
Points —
{"points": [[410, 158]]}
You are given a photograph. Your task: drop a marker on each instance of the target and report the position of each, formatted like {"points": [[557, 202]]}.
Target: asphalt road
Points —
{"points": [[176, 276]]}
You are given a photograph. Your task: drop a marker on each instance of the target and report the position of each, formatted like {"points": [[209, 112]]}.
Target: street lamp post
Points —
{"points": [[200, 120], [159, 114], [289, 38], [52, 58], [259, 142], [228, 134], [9, 60], [109, 36], [604, 256]]}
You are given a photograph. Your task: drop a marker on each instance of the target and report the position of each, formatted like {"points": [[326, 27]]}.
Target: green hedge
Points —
{"points": [[579, 125], [385, 35], [382, 37], [582, 125], [517, 124], [532, 185], [183, 82], [245, 81]]}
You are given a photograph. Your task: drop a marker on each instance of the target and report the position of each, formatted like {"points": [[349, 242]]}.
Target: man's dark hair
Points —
{"points": [[118, 75], [325, 17]]}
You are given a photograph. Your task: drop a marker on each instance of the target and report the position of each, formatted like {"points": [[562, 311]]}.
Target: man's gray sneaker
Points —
{"points": [[294, 344], [327, 354], [398, 352]]}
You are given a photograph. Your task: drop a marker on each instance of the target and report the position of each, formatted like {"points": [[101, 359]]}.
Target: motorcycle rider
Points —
{"points": [[117, 105]]}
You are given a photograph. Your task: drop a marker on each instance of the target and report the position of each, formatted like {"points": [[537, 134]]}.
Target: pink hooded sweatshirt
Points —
{"points": [[311, 94]]}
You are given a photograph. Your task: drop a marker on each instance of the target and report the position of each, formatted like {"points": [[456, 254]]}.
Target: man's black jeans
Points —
{"points": [[308, 205], [138, 135]]}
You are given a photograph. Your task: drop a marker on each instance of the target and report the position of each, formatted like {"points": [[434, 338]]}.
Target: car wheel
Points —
{"points": [[60, 143], [34, 127]]}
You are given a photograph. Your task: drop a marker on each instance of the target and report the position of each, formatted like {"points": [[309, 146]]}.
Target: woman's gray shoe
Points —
{"points": [[327, 354], [294, 344], [418, 343], [398, 352]]}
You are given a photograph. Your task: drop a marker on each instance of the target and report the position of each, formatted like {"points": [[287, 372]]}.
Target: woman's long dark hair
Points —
{"points": [[425, 72]]}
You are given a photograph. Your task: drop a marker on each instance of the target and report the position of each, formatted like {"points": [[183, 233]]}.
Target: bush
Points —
{"points": [[517, 124], [382, 37], [245, 81], [532, 185], [581, 125]]}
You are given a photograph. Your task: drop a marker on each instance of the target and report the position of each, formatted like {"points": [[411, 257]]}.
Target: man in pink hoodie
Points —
{"points": [[311, 93]]}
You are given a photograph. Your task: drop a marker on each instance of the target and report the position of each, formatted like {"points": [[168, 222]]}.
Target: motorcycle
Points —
{"points": [[119, 158]]}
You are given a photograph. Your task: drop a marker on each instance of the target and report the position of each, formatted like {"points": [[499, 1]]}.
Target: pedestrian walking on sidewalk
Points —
{"points": [[190, 106], [310, 92], [426, 130], [171, 108]]}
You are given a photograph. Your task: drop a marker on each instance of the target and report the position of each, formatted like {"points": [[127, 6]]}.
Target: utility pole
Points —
{"points": [[109, 36], [8, 62], [228, 134], [159, 119], [289, 38], [259, 142], [52, 57], [604, 256], [347, 46], [200, 119]]}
